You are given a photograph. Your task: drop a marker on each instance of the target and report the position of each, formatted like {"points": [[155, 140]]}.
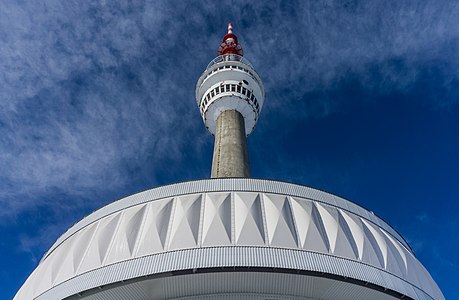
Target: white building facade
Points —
{"points": [[234, 238]]}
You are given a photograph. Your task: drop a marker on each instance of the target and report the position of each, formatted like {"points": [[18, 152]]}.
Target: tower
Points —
{"points": [[230, 96], [230, 238]]}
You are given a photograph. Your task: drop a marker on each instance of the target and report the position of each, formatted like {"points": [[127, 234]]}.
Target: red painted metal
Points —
{"points": [[230, 44]]}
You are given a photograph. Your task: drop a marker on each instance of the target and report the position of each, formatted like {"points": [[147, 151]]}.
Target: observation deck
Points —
{"points": [[230, 83]]}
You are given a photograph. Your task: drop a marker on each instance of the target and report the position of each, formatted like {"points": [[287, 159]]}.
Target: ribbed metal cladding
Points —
{"points": [[225, 223], [231, 257], [234, 285], [227, 184]]}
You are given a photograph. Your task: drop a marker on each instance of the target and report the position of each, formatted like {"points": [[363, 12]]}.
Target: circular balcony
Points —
{"points": [[229, 57]]}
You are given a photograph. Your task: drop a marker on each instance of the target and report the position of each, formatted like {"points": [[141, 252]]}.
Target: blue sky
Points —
{"points": [[97, 102]]}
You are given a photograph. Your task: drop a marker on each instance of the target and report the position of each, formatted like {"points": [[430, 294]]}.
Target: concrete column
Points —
{"points": [[231, 158]]}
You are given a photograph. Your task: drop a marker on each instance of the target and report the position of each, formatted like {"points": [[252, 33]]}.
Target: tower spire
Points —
{"points": [[230, 95], [230, 44]]}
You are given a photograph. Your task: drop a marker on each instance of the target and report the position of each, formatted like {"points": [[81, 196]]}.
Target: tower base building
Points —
{"points": [[234, 238], [230, 237]]}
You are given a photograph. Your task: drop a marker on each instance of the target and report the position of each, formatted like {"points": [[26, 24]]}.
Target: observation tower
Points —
{"points": [[230, 237], [230, 96]]}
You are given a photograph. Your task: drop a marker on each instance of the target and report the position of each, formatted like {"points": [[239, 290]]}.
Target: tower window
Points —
{"points": [[217, 90], [227, 87], [245, 81], [233, 87], [252, 97], [249, 93], [244, 90], [212, 93], [238, 89]]}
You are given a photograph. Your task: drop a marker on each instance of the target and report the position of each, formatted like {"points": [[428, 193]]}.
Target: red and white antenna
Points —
{"points": [[230, 44]]}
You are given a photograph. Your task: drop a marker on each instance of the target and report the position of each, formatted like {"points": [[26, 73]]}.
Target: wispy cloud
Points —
{"points": [[87, 94], [93, 90], [386, 46]]}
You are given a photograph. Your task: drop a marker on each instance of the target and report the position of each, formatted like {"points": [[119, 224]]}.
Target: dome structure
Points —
{"points": [[230, 237], [257, 239]]}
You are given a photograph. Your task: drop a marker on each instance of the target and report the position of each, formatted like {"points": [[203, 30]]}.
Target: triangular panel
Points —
{"points": [[302, 210], [67, 265], [123, 244], [374, 241], [345, 245], [62, 259], [316, 239], [279, 221], [134, 222], [395, 262], [162, 219], [329, 220], [153, 234], [82, 244], [400, 249], [217, 219], [185, 225], [248, 219], [355, 227], [99, 244], [106, 234]]}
